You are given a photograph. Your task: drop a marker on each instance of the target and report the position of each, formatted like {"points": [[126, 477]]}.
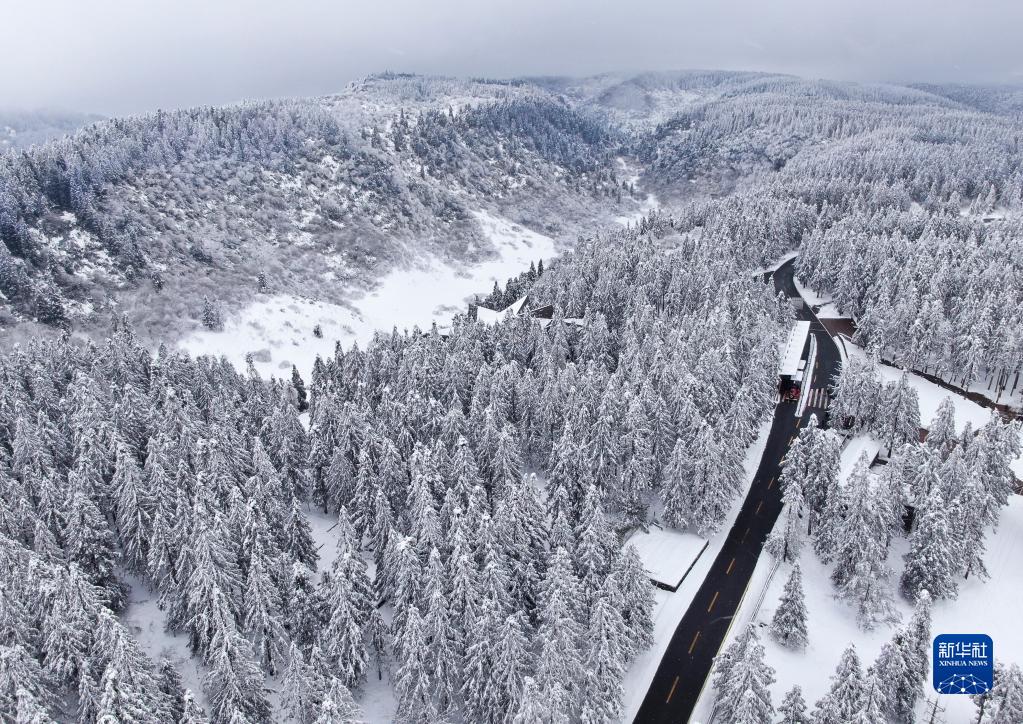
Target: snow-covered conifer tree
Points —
{"points": [[846, 695], [932, 563], [742, 693], [793, 707], [786, 538], [788, 626]]}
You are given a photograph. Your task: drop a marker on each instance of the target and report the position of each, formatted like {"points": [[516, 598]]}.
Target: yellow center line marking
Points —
{"points": [[693, 645], [730, 566], [713, 601], [791, 439], [770, 483], [799, 422], [672, 692], [759, 506], [744, 536]]}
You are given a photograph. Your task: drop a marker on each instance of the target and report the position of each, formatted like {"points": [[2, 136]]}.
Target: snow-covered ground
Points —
{"points": [[147, 623], [278, 330], [990, 607], [827, 308], [671, 607]]}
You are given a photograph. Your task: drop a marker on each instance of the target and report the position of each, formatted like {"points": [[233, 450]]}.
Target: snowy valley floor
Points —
{"points": [[278, 330]]}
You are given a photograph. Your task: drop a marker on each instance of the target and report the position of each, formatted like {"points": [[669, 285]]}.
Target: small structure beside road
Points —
{"points": [[792, 367], [668, 555]]}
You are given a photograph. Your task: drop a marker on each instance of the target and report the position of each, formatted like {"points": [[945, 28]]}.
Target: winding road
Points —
{"points": [[687, 661]]}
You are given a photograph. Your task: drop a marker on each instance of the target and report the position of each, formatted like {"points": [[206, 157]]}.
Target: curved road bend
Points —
{"points": [[687, 661]]}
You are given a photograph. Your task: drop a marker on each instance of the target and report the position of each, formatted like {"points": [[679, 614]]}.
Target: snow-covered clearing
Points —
{"points": [[671, 607], [990, 607], [147, 623], [278, 330]]}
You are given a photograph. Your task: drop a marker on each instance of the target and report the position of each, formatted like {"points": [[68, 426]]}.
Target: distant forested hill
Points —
{"points": [[293, 188], [23, 129]]}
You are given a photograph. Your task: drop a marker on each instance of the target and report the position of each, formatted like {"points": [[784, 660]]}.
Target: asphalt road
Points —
{"points": [[687, 661]]}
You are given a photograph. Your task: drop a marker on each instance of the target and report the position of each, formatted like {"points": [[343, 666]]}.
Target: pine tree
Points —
{"points": [[900, 413], [891, 666], [560, 670], [211, 587], [605, 658], [20, 672], [595, 549], [172, 688], [297, 541], [941, 436], [914, 644], [932, 561], [742, 681], [342, 641], [675, 491], [117, 703], [263, 610], [299, 386], [134, 518], [301, 688], [413, 682], [212, 316], [786, 538], [29, 710], [89, 543], [637, 599], [821, 484], [860, 552], [234, 681], [846, 695], [793, 707], [512, 661], [440, 642], [1004, 703], [871, 711], [714, 482], [789, 623], [533, 706], [338, 707], [193, 713]]}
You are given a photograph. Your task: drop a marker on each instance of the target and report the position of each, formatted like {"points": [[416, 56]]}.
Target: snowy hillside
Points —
{"points": [[279, 331]]}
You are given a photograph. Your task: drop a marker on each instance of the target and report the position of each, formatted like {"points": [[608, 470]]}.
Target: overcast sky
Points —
{"points": [[121, 56]]}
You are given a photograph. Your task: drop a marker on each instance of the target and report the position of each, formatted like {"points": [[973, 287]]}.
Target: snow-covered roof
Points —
{"points": [[793, 352], [577, 321], [491, 316], [667, 554], [516, 306]]}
